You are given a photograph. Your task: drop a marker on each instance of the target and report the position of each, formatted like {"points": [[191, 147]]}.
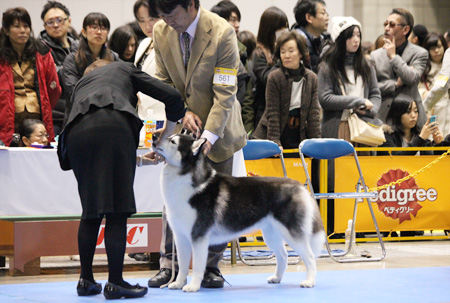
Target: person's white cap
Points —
{"points": [[340, 24]]}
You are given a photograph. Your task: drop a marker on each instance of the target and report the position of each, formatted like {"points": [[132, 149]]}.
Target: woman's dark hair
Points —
{"points": [[7, 52], [167, 6], [334, 58], [300, 41], [81, 56], [119, 41], [28, 126], [137, 6], [272, 19], [400, 105], [431, 40], [248, 39]]}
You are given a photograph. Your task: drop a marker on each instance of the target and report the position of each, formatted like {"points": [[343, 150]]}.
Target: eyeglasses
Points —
{"points": [[392, 24], [56, 21], [95, 27]]}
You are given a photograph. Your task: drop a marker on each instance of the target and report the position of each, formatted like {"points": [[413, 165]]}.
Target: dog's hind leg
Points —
{"points": [[275, 242], [303, 247], [183, 250], [200, 256]]}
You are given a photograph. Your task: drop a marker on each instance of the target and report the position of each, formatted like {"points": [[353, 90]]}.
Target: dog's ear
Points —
{"points": [[197, 146]]}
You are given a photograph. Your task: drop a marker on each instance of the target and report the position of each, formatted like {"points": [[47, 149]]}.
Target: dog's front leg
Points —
{"points": [[183, 250], [200, 255]]}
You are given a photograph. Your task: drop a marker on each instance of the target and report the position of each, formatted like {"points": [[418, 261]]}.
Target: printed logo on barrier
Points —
{"points": [[401, 201], [137, 235]]}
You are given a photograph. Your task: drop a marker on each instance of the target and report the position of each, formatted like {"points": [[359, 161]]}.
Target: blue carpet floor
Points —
{"points": [[424, 285]]}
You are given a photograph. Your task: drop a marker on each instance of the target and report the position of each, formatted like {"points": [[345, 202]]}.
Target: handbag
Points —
{"points": [[365, 132], [362, 131]]}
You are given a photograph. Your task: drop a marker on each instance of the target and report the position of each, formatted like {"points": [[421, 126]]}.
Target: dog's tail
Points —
{"points": [[317, 242]]}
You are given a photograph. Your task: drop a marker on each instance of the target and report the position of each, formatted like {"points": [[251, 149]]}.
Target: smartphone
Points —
{"points": [[432, 119]]}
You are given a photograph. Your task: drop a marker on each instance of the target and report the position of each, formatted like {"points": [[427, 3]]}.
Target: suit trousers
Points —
{"points": [[215, 253]]}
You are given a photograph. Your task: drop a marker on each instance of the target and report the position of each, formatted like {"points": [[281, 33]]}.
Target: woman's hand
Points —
{"points": [[438, 136], [150, 158], [431, 129]]}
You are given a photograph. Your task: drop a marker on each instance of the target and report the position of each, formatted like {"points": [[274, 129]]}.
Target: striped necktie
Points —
{"points": [[187, 49]]}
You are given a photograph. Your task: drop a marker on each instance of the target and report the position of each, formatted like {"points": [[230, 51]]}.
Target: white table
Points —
{"points": [[33, 184]]}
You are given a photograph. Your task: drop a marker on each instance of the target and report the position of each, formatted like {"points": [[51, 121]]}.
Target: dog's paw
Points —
{"points": [[191, 288], [307, 284], [273, 280], [176, 285]]}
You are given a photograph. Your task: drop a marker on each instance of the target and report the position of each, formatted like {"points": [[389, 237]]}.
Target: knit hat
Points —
{"points": [[340, 24]]}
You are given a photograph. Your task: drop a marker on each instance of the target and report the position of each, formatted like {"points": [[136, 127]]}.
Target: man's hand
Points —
{"points": [[192, 122], [389, 46]]}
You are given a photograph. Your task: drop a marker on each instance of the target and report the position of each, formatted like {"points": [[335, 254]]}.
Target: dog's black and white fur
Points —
{"points": [[206, 208]]}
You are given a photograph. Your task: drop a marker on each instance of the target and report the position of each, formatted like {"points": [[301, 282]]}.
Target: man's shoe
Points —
{"points": [[113, 291], [212, 278], [161, 278], [88, 288]]}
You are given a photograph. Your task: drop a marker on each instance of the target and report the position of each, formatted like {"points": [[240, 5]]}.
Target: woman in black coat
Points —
{"points": [[99, 143]]}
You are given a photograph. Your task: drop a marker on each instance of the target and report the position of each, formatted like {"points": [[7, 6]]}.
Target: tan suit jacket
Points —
{"points": [[214, 45]]}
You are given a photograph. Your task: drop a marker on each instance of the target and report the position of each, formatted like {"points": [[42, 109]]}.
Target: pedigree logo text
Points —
{"points": [[137, 235], [402, 201]]}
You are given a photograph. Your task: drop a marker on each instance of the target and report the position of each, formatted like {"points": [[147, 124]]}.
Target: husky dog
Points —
{"points": [[206, 208]]}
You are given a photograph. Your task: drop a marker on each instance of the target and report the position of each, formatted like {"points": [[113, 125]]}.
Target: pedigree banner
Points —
{"points": [[271, 167], [420, 203]]}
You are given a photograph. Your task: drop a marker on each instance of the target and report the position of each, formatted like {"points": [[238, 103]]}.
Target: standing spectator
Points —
{"points": [[439, 92], [123, 41], [347, 80], [56, 35], [189, 45], [145, 59], [29, 85], [311, 18], [272, 23], [92, 47], [418, 34], [447, 37], [292, 111], [399, 64]]}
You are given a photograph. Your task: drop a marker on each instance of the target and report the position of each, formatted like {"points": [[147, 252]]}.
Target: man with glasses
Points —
{"points": [[57, 20], [312, 19], [399, 63]]}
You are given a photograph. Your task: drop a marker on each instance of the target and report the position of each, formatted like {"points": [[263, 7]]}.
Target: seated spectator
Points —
{"points": [[418, 34], [436, 46], [402, 129], [29, 82], [92, 46], [272, 23], [57, 36], [33, 131], [124, 42], [292, 111]]}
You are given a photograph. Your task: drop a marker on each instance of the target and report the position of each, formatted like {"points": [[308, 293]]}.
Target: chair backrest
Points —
{"points": [[260, 149], [326, 148]]}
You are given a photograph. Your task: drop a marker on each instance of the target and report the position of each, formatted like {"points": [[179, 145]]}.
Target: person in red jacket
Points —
{"points": [[29, 85]]}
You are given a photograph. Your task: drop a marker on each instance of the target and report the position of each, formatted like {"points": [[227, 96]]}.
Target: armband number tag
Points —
{"points": [[441, 81], [224, 76]]}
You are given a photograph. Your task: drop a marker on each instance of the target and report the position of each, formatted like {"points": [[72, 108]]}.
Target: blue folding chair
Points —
{"points": [[328, 149], [255, 150]]}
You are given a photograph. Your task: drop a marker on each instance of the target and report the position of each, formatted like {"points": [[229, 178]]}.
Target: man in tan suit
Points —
{"points": [[196, 51]]}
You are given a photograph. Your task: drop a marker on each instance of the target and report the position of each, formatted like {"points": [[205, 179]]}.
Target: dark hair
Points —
{"points": [[299, 39], [271, 20], [167, 6], [407, 17], [118, 41], [304, 7], [248, 39], [7, 52], [53, 4], [334, 59], [28, 126], [225, 8], [420, 31], [430, 41], [83, 48], [400, 105], [137, 6]]}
